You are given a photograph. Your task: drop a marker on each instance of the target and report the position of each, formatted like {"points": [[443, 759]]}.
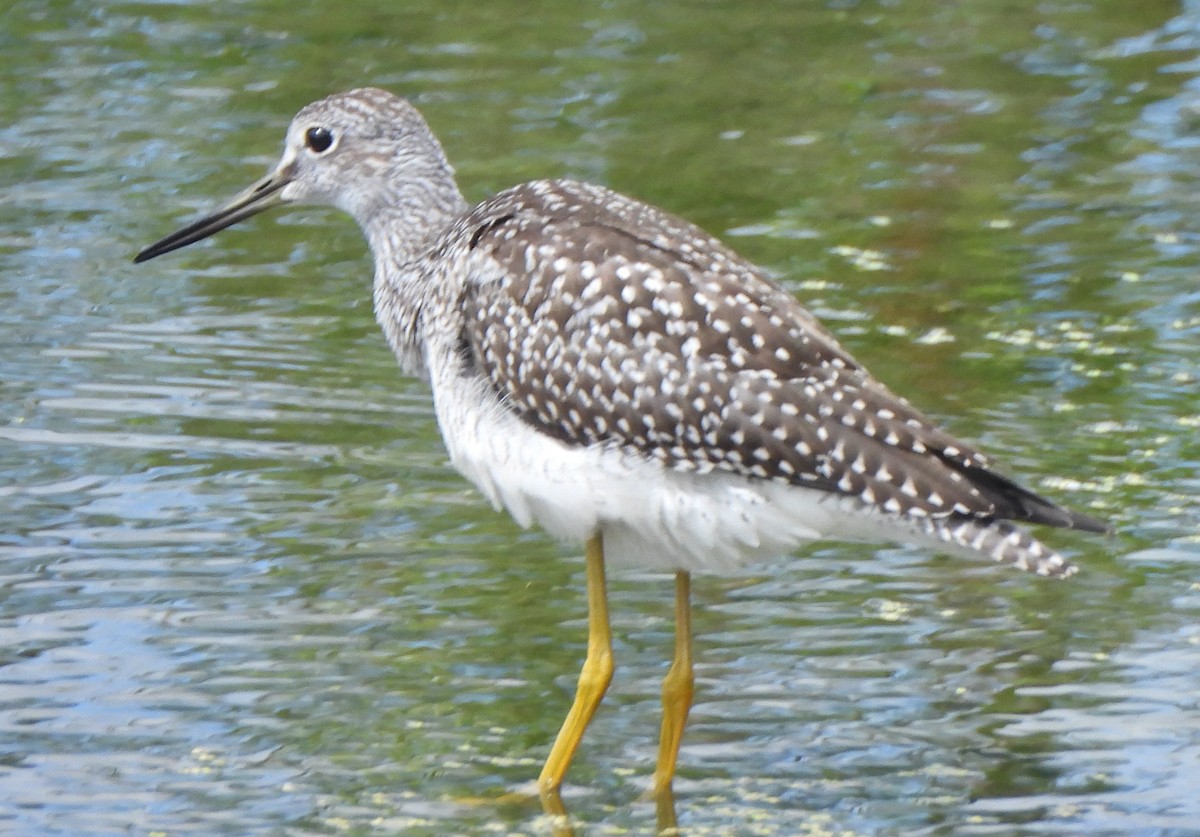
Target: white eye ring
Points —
{"points": [[318, 139]]}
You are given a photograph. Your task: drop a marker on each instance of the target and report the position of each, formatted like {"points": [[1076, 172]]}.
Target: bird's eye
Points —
{"points": [[318, 139]]}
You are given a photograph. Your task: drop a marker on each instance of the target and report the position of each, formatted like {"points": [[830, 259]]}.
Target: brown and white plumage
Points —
{"points": [[616, 375], [603, 322]]}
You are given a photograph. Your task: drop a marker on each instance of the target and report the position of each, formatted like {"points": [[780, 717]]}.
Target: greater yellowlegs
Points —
{"points": [[617, 376]]}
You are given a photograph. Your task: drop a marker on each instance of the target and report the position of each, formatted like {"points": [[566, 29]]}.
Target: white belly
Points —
{"points": [[649, 516]]}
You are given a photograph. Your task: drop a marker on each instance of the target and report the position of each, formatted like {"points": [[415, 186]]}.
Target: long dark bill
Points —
{"points": [[260, 196]]}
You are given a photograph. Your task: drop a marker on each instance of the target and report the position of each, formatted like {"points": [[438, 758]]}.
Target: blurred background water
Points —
{"points": [[242, 593]]}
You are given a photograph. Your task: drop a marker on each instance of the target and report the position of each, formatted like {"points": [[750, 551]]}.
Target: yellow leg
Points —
{"points": [[560, 820], [593, 679], [667, 822], [677, 689]]}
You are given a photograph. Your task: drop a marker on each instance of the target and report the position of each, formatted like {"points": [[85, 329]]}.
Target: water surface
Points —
{"points": [[241, 592]]}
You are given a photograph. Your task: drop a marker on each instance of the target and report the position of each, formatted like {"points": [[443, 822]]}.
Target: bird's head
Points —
{"points": [[365, 152]]}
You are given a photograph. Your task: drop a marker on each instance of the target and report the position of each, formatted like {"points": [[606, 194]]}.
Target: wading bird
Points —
{"points": [[619, 377]]}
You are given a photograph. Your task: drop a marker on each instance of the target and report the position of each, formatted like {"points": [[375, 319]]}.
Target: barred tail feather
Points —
{"points": [[1001, 541]]}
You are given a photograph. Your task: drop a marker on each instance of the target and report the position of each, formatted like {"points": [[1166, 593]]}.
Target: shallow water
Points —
{"points": [[242, 593]]}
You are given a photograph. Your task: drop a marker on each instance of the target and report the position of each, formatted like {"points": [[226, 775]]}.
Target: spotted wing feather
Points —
{"points": [[602, 320]]}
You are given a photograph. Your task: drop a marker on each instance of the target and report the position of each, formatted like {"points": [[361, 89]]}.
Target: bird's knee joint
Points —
{"points": [[679, 682], [597, 671]]}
